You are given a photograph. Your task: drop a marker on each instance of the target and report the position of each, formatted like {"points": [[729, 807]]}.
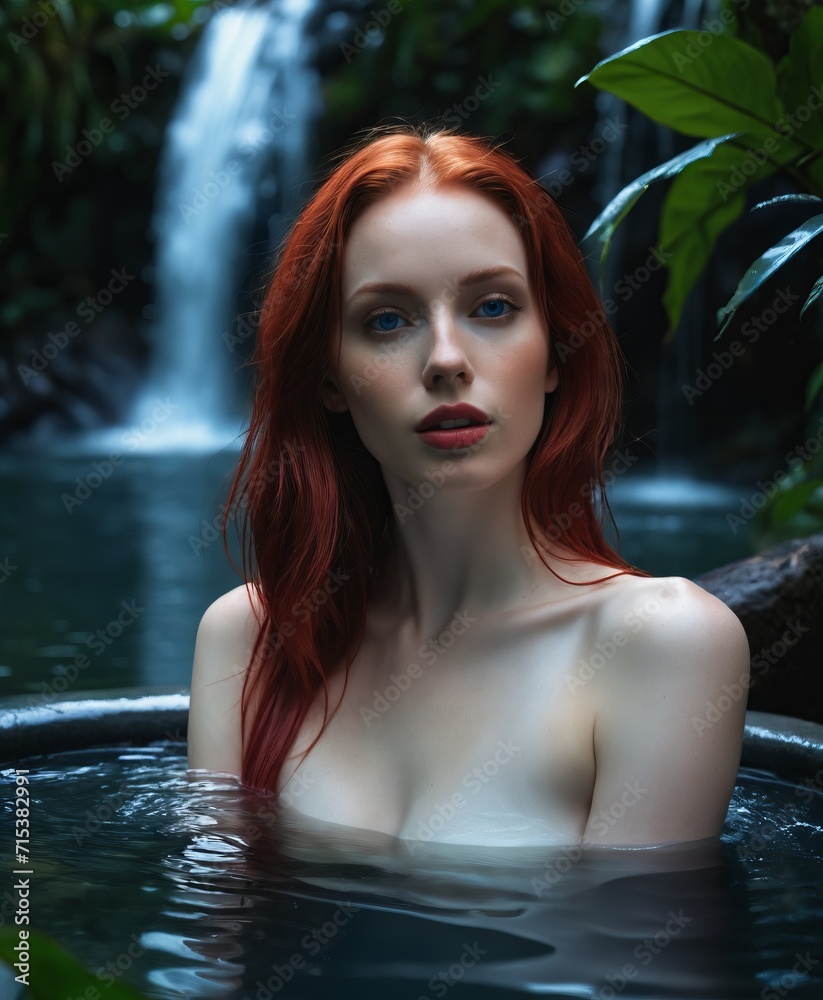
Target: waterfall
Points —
{"points": [[240, 132], [645, 145], [664, 499]]}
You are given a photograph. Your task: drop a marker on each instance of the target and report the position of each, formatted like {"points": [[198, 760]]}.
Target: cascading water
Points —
{"points": [[240, 133], [667, 498], [645, 145]]}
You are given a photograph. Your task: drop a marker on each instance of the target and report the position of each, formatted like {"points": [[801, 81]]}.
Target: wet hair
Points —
{"points": [[315, 514]]}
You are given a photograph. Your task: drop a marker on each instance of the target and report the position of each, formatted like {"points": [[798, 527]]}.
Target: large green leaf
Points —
{"points": [[55, 975], [815, 383], [781, 199], [702, 201], [800, 79], [699, 88], [814, 295], [705, 198], [794, 500], [765, 266], [603, 227]]}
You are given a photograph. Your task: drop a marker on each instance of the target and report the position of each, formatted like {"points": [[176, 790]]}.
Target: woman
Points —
{"points": [[498, 673]]}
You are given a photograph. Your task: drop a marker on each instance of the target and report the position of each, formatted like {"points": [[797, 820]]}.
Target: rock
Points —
{"points": [[778, 596]]}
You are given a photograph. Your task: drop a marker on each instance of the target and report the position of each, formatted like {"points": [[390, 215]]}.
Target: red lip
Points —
{"points": [[457, 412]]}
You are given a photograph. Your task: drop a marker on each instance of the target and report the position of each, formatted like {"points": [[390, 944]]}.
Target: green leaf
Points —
{"points": [[794, 500], [814, 504], [613, 214], [817, 288], [765, 266], [780, 199], [698, 88], [800, 78], [54, 973], [703, 200], [815, 383]]}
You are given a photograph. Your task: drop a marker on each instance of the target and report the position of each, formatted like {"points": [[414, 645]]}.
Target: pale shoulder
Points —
{"points": [[232, 619], [670, 698], [674, 614], [222, 651]]}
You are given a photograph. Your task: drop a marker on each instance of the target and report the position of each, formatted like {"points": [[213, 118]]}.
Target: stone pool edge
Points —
{"points": [[29, 726]]}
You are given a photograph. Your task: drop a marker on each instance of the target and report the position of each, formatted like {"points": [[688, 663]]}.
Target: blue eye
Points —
{"points": [[497, 306], [388, 327], [389, 320]]}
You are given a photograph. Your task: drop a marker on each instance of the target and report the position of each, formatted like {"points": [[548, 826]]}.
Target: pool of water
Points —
{"points": [[109, 559], [188, 885]]}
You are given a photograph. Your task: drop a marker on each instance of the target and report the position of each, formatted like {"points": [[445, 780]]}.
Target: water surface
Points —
{"points": [[187, 885], [114, 564]]}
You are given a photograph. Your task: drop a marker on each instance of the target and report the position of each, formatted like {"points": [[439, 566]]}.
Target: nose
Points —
{"points": [[447, 346]]}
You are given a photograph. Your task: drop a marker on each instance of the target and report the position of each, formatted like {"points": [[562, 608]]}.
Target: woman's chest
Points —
{"points": [[484, 741]]}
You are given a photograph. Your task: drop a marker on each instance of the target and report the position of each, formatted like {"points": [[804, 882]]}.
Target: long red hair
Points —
{"points": [[311, 500]]}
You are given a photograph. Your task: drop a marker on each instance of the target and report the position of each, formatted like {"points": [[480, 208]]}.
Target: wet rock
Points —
{"points": [[778, 596], [86, 384]]}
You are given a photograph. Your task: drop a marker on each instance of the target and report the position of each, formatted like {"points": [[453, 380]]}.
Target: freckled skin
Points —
{"points": [[459, 350], [485, 344]]}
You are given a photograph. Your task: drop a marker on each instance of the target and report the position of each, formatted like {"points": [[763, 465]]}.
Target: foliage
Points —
{"points": [[65, 63], [429, 59], [54, 974], [755, 119]]}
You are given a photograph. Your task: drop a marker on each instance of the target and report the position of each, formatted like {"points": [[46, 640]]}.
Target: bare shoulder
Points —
{"points": [[663, 625], [670, 704], [663, 611], [233, 617], [222, 651]]}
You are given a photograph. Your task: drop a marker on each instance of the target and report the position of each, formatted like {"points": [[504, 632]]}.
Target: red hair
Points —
{"points": [[314, 498]]}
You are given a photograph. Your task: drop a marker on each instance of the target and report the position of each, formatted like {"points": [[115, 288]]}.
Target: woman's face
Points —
{"points": [[443, 338]]}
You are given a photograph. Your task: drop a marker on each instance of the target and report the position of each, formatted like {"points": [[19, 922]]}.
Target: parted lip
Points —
{"points": [[460, 410]]}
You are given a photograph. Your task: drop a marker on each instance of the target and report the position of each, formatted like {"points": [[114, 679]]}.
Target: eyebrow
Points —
{"points": [[400, 288]]}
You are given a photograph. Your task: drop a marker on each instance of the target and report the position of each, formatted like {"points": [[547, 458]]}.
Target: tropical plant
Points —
{"points": [[64, 63], [52, 973], [79, 147], [432, 58], [755, 119]]}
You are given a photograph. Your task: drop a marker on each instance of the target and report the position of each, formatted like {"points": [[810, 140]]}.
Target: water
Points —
{"points": [[146, 534], [644, 145], [239, 143], [183, 886], [84, 533]]}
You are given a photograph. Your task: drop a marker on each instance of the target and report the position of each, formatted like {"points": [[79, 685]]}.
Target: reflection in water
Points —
{"points": [[149, 533], [189, 885]]}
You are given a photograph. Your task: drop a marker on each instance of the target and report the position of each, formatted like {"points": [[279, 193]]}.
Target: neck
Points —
{"points": [[467, 551]]}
